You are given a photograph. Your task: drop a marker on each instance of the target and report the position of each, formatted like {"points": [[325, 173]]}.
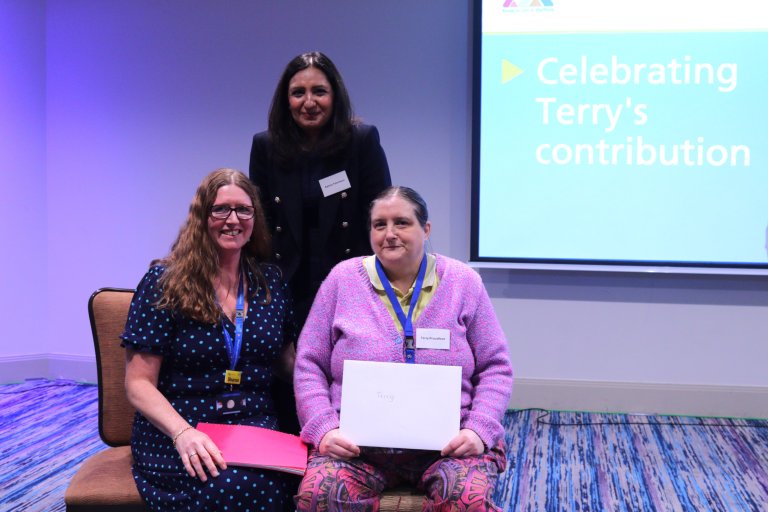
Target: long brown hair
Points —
{"points": [[193, 262], [286, 136]]}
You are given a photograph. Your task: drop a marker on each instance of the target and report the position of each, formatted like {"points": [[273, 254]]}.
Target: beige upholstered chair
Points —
{"points": [[104, 482]]}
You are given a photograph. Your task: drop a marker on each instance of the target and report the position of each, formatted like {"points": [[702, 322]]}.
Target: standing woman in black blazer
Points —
{"points": [[317, 168]]}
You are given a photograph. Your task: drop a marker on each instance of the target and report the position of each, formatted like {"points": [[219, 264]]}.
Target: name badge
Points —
{"points": [[230, 403], [334, 183], [232, 377], [439, 339]]}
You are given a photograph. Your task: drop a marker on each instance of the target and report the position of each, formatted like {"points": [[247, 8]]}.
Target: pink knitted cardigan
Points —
{"points": [[348, 320]]}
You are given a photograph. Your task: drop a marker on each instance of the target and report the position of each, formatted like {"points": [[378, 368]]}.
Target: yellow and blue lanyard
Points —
{"points": [[233, 349]]}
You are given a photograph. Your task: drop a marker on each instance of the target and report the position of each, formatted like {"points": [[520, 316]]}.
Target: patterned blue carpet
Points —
{"points": [[47, 429], [558, 461], [565, 461]]}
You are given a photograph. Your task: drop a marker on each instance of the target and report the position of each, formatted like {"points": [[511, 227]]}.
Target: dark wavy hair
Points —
{"points": [[193, 262], [407, 193], [288, 139]]}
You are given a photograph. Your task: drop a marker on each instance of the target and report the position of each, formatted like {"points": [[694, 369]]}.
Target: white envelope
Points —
{"points": [[399, 405]]}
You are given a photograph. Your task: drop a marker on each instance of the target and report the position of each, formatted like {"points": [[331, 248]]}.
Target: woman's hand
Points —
{"points": [[337, 446], [199, 453], [465, 444], [196, 449]]}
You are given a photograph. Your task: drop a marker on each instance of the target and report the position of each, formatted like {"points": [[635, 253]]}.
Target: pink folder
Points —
{"points": [[256, 447]]}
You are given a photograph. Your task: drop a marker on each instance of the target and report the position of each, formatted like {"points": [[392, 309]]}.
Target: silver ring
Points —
{"points": [[192, 454]]}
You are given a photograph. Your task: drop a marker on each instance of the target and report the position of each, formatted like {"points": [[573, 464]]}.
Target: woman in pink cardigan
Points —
{"points": [[361, 312]]}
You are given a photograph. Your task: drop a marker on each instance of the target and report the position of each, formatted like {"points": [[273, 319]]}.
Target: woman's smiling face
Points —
{"points": [[232, 233], [310, 100]]}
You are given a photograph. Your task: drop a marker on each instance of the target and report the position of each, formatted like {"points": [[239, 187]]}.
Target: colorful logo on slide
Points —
{"points": [[512, 4]]}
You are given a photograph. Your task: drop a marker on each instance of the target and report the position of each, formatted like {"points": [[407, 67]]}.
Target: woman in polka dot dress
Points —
{"points": [[208, 327]]}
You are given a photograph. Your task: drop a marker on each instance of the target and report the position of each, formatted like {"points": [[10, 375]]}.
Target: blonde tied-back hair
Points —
{"points": [[193, 262]]}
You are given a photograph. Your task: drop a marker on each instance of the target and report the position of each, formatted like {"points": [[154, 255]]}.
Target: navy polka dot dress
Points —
{"points": [[191, 376]]}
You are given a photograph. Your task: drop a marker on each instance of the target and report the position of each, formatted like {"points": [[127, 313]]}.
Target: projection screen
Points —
{"points": [[621, 135]]}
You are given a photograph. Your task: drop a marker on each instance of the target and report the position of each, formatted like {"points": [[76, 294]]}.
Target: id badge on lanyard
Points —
{"points": [[233, 401]]}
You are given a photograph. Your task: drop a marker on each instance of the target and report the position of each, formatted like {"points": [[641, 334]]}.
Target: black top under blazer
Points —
{"points": [[342, 221]]}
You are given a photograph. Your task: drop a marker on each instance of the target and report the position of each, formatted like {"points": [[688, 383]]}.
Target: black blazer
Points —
{"points": [[343, 215]]}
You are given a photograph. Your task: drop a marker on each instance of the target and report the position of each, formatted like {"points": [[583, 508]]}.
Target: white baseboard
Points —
{"points": [[644, 398], [47, 366], [553, 394]]}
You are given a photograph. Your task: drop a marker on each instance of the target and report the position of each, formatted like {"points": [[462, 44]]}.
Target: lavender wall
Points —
{"points": [[111, 113], [23, 202], [146, 97]]}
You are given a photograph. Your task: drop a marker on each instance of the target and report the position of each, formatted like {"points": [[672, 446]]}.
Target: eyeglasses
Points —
{"points": [[223, 211]]}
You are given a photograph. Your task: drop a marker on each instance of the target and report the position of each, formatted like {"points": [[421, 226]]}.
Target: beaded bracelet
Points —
{"points": [[181, 432]]}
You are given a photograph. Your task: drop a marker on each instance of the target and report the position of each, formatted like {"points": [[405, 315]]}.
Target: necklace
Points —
{"points": [[225, 296], [229, 289]]}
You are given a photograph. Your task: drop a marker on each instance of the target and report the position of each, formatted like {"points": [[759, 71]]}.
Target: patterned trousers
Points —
{"points": [[450, 484]]}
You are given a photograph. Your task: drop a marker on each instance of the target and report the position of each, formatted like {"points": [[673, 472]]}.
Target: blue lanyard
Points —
{"points": [[233, 350], [405, 322]]}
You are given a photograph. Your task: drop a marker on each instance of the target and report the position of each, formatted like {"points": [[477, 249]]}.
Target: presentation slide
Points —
{"points": [[621, 133]]}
